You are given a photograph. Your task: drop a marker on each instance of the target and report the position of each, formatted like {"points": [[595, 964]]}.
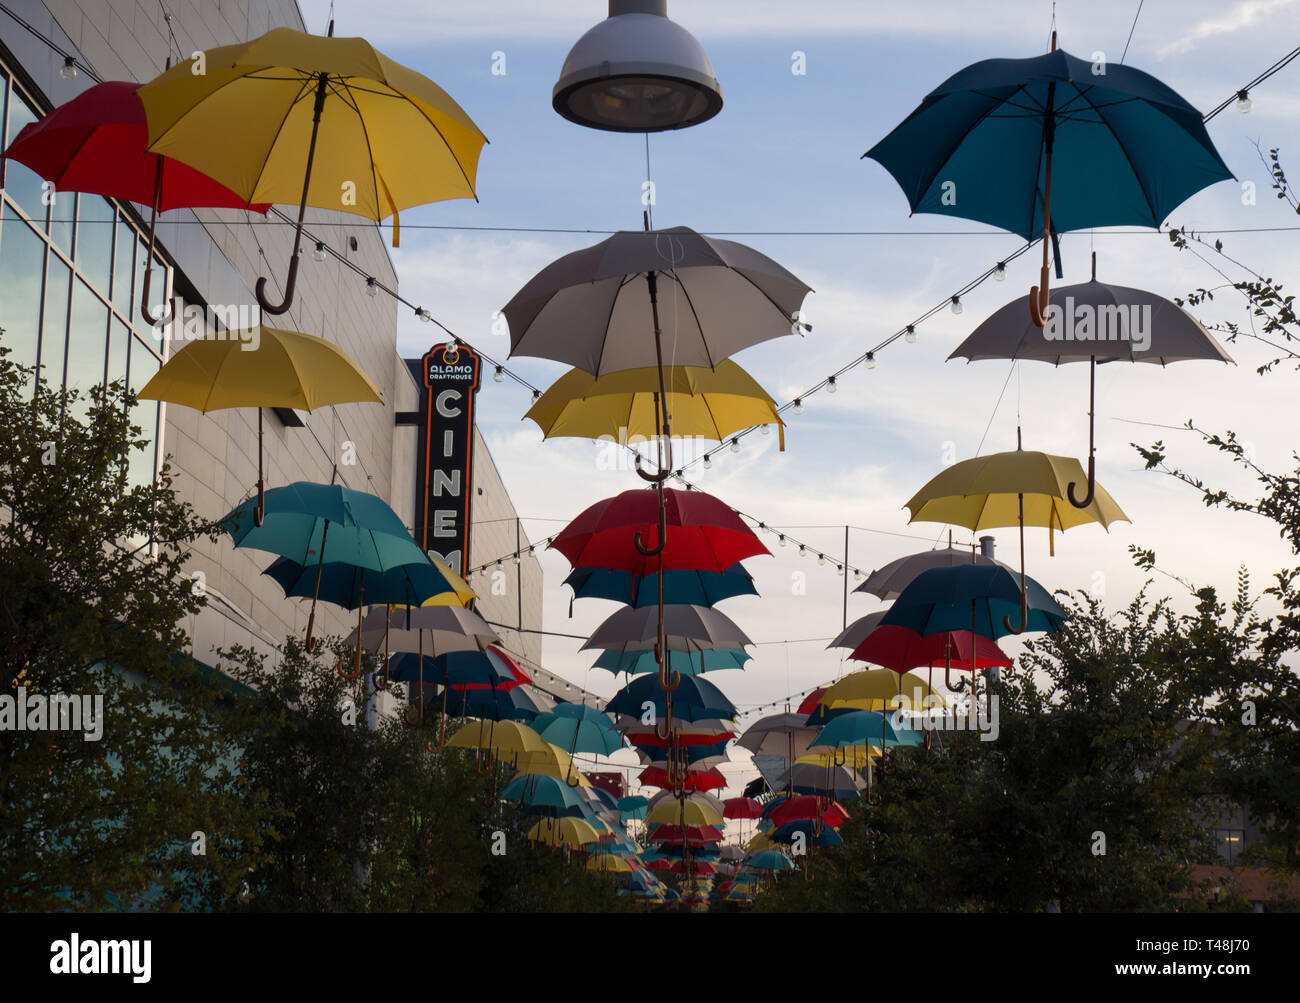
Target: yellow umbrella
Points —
{"points": [[609, 863], [761, 841], [563, 831], [551, 761], [327, 122], [709, 402], [855, 757], [261, 367], [1016, 488], [692, 812], [880, 690], [504, 739]]}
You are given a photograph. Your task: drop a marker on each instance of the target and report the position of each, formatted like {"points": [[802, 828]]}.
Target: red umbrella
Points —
{"points": [[696, 867], [701, 533], [809, 806], [741, 808], [813, 700], [901, 649], [696, 835], [95, 144], [657, 776]]}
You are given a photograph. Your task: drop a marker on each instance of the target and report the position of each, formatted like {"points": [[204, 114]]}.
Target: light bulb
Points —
{"points": [[516, 558], [956, 304], [839, 569], [910, 336], [537, 395], [803, 551], [319, 252], [372, 287], [500, 375], [735, 445], [68, 71], [798, 406], [1243, 102], [830, 385], [821, 558], [765, 429], [871, 360], [708, 462], [1000, 273], [424, 315], [781, 539]]}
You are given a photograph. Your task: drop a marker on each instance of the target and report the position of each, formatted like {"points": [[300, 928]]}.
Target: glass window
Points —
{"points": [[63, 214], [1229, 843], [21, 257], [145, 414], [119, 344], [123, 267], [22, 185], [54, 331], [87, 340], [94, 257]]}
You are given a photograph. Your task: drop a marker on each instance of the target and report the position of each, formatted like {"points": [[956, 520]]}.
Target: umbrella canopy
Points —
{"points": [[686, 585], [972, 597], [685, 628], [543, 794], [461, 669], [504, 739], [518, 703], [983, 492], [1125, 148], [901, 650], [434, 630], [697, 809], [586, 310], [632, 807], [285, 369], [864, 727], [622, 406], [695, 698], [563, 832], [593, 734], [812, 835], [805, 806], [341, 584], [809, 778], [778, 734], [770, 860], [888, 581], [688, 663], [703, 533], [856, 632], [882, 690], [742, 808], [298, 119], [693, 780]]}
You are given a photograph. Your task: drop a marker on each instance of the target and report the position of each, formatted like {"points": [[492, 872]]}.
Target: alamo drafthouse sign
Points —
{"points": [[449, 377]]}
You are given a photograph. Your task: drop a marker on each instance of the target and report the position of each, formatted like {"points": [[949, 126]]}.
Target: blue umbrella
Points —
{"points": [[815, 835], [694, 700], [697, 588], [1046, 145], [455, 668], [542, 793], [687, 663], [342, 584], [579, 733], [634, 807], [491, 704], [863, 727], [972, 597]]}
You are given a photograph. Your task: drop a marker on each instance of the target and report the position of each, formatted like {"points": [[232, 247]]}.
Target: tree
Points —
{"points": [[93, 588]]}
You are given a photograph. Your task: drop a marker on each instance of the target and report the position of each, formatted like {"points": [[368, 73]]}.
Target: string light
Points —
{"points": [[1000, 273], [735, 445], [372, 287], [871, 360], [781, 539], [708, 462], [500, 375], [765, 429], [798, 406], [910, 336], [1243, 101], [68, 71], [319, 252], [956, 305], [830, 385]]}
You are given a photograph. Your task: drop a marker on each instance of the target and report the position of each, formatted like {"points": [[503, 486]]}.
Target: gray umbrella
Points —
{"points": [[786, 735], [428, 630], [587, 309], [685, 628], [856, 632], [889, 581], [1094, 322]]}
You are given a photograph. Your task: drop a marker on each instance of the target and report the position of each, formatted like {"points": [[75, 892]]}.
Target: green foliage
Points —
{"points": [[92, 591]]}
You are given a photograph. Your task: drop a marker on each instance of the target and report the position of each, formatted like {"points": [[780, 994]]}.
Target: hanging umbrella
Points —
{"points": [[95, 144], [684, 628], [295, 522], [865, 728], [469, 668], [888, 581], [688, 663], [1114, 324], [327, 122], [901, 650], [594, 733], [683, 585], [1019, 488], [742, 808], [690, 780], [809, 832], [507, 740], [882, 690], [695, 809], [832, 781], [856, 632], [941, 599], [694, 699], [700, 532], [520, 703], [784, 735], [437, 630], [633, 807], [340, 584], [542, 794], [1045, 145], [829, 811], [624, 406], [770, 860], [563, 832], [284, 369]]}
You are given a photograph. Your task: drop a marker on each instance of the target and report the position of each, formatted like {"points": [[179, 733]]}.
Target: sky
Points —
{"points": [[783, 155]]}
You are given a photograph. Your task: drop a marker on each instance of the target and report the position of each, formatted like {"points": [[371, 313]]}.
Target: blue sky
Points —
{"points": [[784, 155]]}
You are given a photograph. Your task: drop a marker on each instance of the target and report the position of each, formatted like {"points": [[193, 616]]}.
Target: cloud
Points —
{"points": [[1247, 14]]}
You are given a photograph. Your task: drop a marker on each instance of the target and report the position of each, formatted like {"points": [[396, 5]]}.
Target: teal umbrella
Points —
{"points": [[688, 663], [633, 808], [1046, 145], [770, 860], [318, 524], [341, 584], [580, 729], [543, 794], [863, 727]]}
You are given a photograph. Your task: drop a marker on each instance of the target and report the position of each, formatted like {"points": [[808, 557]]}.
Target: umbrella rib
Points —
{"points": [[613, 302], [968, 130], [304, 89], [690, 303], [346, 96], [450, 152], [1155, 221]]}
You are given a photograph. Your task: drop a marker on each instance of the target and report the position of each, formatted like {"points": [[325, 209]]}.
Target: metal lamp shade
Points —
{"points": [[637, 71]]}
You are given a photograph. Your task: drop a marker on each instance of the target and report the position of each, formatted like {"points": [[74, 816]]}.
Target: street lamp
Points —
{"points": [[637, 71]]}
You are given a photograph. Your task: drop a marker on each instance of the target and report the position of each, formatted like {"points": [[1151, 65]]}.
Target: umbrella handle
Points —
{"points": [[1039, 298], [957, 686], [571, 780], [639, 539], [478, 764], [349, 676], [1024, 618], [148, 272], [1092, 459], [653, 476]]}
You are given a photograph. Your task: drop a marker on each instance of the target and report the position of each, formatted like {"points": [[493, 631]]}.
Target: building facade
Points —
{"points": [[71, 268]]}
